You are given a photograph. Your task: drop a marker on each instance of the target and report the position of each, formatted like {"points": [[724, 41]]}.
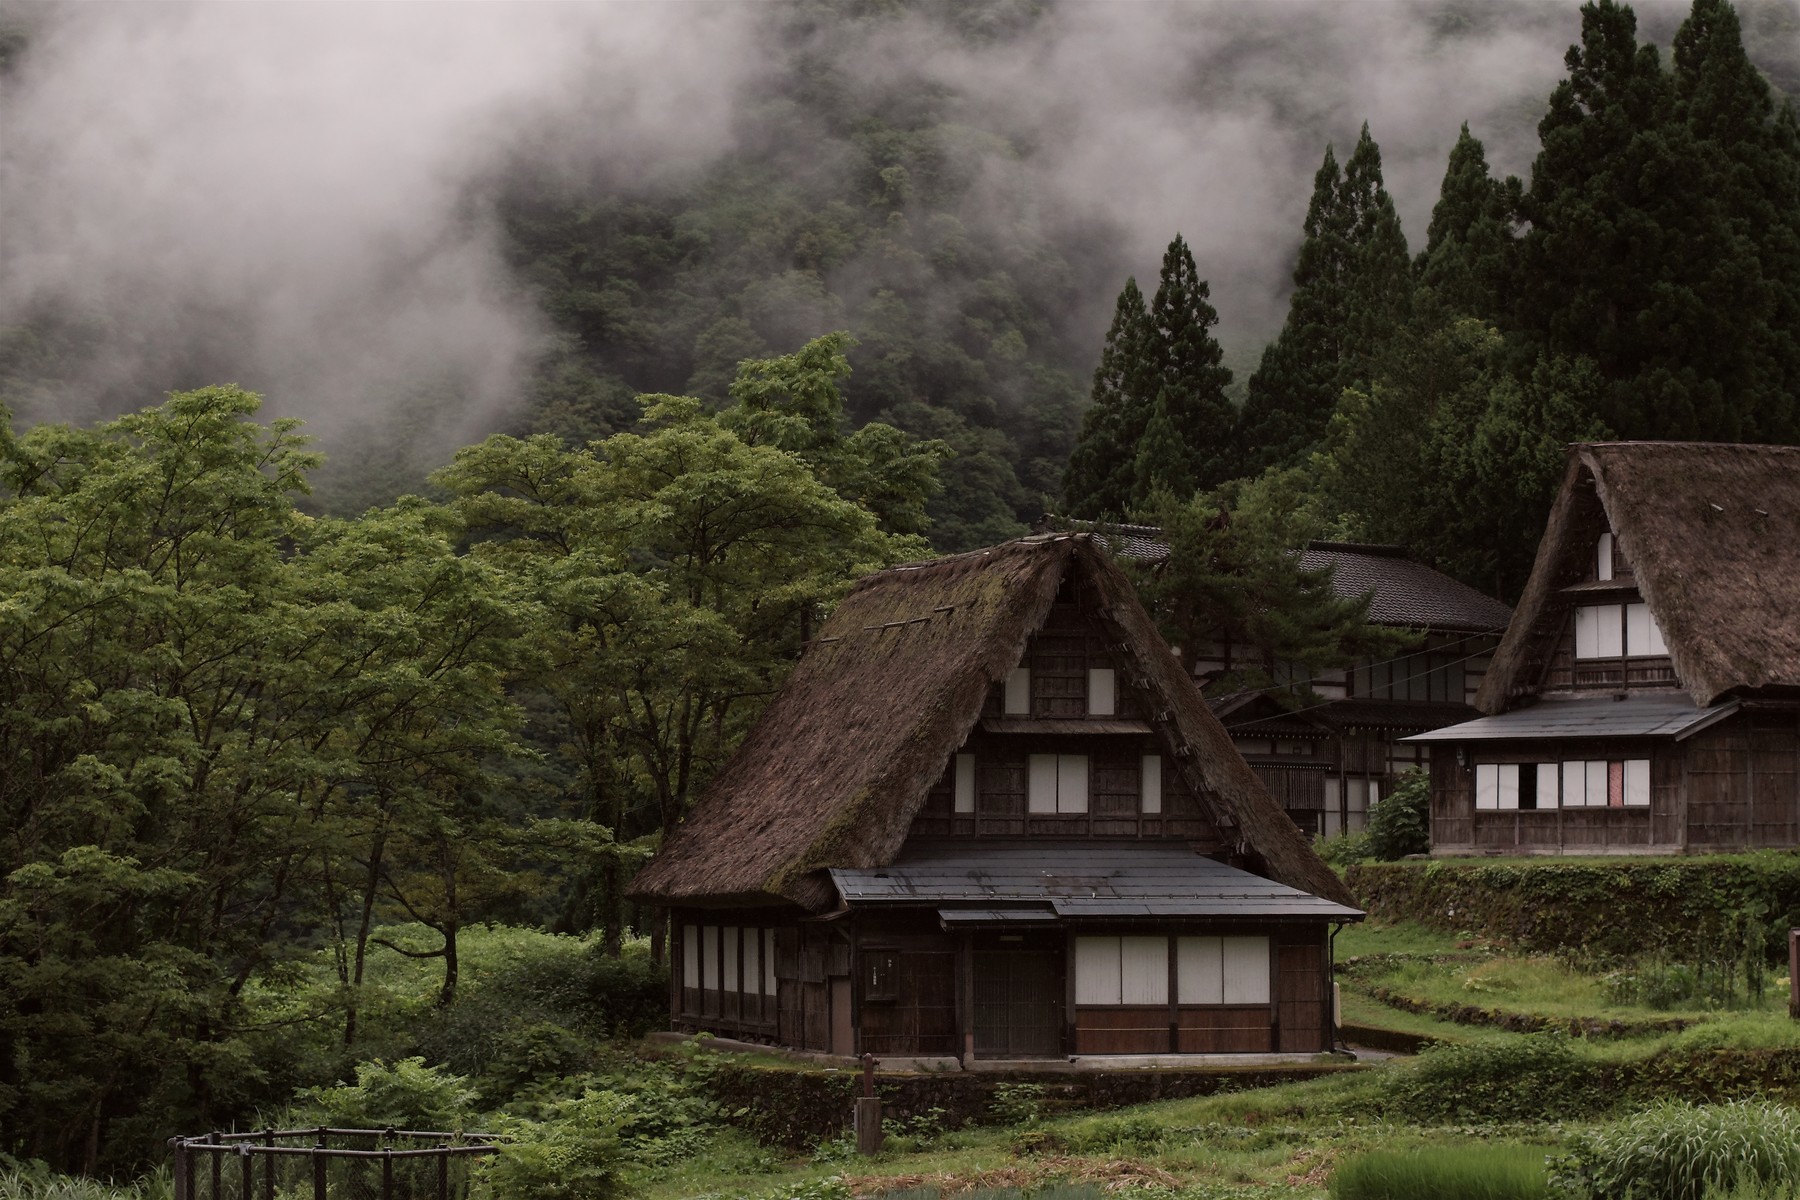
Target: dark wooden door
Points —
{"points": [[1018, 990]]}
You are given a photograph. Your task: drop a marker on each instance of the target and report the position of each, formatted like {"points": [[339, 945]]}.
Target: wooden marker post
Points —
{"points": [[868, 1110], [1794, 974]]}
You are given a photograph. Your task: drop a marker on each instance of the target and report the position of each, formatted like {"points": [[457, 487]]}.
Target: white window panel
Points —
{"points": [[1603, 557], [1246, 970], [768, 962], [1653, 639], [1596, 783], [1096, 970], [1637, 629], [1040, 783], [1546, 785], [1018, 692], [1150, 783], [1144, 970], [1587, 632], [690, 956], [1637, 782], [1487, 785], [1611, 632], [1574, 784], [731, 958], [965, 783], [1102, 695], [1071, 783], [1199, 970], [753, 961], [709, 956], [1507, 792]]}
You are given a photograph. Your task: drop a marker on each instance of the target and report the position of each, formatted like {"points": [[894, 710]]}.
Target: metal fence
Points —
{"points": [[328, 1164]]}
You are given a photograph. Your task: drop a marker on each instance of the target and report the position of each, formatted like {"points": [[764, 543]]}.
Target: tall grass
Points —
{"points": [[1475, 1172], [47, 1185], [1683, 1151]]}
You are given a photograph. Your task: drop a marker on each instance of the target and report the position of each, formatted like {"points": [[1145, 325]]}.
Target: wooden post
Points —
{"points": [[179, 1168], [868, 1110], [1794, 973]]}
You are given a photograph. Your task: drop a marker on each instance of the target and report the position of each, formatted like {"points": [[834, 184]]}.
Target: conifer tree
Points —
{"points": [[1190, 377], [1352, 286], [1162, 464], [1468, 242], [1097, 482]]}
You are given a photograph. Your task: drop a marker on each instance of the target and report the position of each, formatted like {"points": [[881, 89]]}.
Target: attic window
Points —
{"points": [[1018, 692], [1057, 783], [1150, 784], [1102, 692], [1603, 557], [1615, 630], [965, 783]]}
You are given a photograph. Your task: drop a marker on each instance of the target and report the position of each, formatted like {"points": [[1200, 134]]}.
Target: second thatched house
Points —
{"points": [[1646, 697], [990, 817]]}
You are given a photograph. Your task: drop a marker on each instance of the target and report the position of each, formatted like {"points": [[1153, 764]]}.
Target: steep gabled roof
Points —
{"points": [[1712, 532], [840, 762]]}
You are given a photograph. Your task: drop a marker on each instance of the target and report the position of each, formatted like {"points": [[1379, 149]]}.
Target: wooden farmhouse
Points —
{"points": [[1328, 760], [991, 818], [1646, 697]]}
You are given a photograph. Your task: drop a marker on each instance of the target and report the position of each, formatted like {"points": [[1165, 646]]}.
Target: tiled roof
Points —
{"points": [[1407, 592]]}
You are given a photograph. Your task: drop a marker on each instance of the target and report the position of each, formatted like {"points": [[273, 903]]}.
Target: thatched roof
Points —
{"points": [[840, 762], [1713, 533]]}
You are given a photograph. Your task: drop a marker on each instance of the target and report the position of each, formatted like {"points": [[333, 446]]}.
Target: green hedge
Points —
{"points": [[1623, 908]]}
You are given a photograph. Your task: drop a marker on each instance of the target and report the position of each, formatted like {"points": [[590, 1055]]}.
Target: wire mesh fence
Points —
{"points": [[329, 1164]]}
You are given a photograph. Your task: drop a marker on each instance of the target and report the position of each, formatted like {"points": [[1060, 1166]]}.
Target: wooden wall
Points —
{"points": [[1736, 784]]}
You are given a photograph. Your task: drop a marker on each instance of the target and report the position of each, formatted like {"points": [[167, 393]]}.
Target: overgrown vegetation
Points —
{"points": [[1470, 1172]]}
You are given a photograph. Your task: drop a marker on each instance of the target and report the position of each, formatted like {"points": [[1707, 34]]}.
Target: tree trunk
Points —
{"points": [[612, 938], [353, 1004]]}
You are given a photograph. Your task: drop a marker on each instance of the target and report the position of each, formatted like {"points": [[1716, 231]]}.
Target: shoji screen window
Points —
{"points": [[1121, 970], [1057, 783], [1222, 970], [1617, 630], [1507, 787], [1606, 783], [1102, 692]]}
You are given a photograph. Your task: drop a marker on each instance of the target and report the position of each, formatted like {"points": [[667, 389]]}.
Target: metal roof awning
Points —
{"points": [[1670, 716], [994, 880], [1065, 725], [959, 917]]}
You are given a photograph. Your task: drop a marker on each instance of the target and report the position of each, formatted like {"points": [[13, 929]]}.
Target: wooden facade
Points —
{"points": [[1595, 742], [1078, 875]]}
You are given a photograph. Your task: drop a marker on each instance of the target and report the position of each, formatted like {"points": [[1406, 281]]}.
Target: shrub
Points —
{"points": [[1478, 1172], [1683, 1151], [407, 1095], [1400, 824], [574, 1155], [1532, 1078], [1344, 850]]}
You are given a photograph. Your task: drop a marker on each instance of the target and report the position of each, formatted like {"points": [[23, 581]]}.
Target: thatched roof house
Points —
{"points": [[1647, 692], [980, 753]]}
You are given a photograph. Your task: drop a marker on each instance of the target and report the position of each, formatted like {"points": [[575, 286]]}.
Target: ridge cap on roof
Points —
{"points": [[1373, 549]]}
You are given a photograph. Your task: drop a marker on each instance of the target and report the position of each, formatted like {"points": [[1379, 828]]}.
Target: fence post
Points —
{"points": [[268, 1166], [320, 1162], [247, 1179], [868, 1110], [216, 1138], [1794, 974], [179, 1168], [444, 1171]]}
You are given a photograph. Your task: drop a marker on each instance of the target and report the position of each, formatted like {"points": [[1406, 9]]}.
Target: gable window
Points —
{"points": [[965, 783], [1150, 784], [1603, 557], [1057, 783], [1102, 697], [1617, 630], [1018, 692]]}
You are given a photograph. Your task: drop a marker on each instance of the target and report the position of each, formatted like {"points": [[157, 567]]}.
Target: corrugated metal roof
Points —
{"points": [[1670, 714], [1407, 592], [1065, 725], [1079, 879], [994, 916]]}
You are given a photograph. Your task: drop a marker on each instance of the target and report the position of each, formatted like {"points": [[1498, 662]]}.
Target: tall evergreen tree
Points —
{"points": [[1663, 231], [1352, 286], [1190, 376], [1097, 482], [1161, 359], [1469, 241]]}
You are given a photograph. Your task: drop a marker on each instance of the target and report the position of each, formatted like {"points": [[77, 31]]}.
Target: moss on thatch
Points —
{"points": [[1713, 534], [840, 762]]}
